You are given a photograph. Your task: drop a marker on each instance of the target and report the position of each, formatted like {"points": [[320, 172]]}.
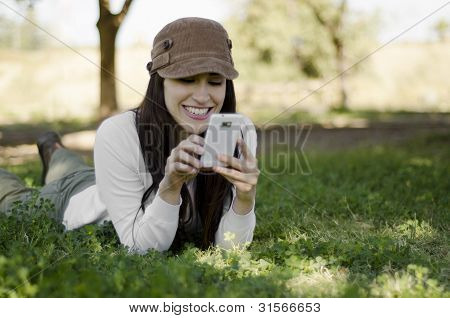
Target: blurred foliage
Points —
{"points": [[282, 40], [6, 34], [442, 29], [21, 33]]}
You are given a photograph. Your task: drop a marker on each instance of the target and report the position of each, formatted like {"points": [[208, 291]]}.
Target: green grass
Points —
{"points": [[367, 222]]}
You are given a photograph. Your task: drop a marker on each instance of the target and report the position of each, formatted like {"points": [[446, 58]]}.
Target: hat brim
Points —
{"points": [[199, 65]]}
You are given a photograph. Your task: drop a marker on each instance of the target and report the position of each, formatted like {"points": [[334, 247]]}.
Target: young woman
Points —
{"points": [[148, 178]]}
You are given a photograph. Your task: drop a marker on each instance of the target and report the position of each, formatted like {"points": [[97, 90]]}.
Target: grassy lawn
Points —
{"points": [[367, 222]]}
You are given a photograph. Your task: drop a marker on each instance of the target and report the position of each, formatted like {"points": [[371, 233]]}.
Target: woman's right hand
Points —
{"points": [[182, 165]]}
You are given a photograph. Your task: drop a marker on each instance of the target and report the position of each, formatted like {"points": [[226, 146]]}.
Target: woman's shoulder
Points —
{"points": [[125, 121], [118, 131]]}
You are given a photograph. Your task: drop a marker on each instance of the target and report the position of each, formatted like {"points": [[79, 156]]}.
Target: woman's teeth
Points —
{"points": [[197, 111]]}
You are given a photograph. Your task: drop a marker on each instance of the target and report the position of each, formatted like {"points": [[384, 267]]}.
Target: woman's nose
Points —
{"points": [[201, 94]]}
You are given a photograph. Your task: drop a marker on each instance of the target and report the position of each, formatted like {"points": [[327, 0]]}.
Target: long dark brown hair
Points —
{"points": [[158, 134]]}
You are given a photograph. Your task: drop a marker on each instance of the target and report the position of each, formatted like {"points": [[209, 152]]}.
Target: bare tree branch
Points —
{"points": [[104, 7], [317, 13], [332, 24], [121, 15], [342, 9]]}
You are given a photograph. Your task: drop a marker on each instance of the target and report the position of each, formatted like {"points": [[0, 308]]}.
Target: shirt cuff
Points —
{"points": [[236, 220], [162, 210], [157, 196]]}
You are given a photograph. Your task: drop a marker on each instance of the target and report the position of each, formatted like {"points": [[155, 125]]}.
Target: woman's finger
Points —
{"points": [[244, 165], [183, 168], [191, 147], [186, 158], [245, 149], [235, 175], [240, 186], [196, 139], [231, 161]]}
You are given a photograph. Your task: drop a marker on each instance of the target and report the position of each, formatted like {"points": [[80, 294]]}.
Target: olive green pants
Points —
{"points": [[68, 175]]}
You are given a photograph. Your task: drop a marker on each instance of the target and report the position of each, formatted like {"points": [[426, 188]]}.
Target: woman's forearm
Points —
{"points": [[243, 206], [169, 194], [244, 201]]}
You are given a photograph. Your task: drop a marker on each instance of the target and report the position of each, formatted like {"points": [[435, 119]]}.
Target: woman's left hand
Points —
{"points": [[242, 173]]}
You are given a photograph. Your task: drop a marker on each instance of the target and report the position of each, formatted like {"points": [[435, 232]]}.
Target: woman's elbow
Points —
{"points": [[141, 245]]}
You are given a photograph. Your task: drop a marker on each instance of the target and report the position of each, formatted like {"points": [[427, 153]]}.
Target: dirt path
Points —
{"points": [[18, 147], [320, 138]]}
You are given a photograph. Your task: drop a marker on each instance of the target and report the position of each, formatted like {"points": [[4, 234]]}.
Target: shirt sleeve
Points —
{"points": [[236, 230], [121, 189]]}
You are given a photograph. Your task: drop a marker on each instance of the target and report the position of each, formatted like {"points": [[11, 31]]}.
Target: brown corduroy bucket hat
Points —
{"points": [[190, 46]]}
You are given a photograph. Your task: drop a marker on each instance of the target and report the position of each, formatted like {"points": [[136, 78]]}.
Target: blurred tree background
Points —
{"points": [[284, 50], [442, 28], [371, 208], [28, 36], [21, 34], [297, 39]]}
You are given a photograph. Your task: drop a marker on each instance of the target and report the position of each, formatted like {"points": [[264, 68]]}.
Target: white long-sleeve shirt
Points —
{"points": [[121, 180]]}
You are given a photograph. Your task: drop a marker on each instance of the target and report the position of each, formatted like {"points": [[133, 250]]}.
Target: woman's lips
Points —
{"points": [[195, 116]]}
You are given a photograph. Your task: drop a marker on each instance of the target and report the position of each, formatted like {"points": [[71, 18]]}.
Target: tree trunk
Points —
{"points": [[108, 25], [334, 28], [108, 100], [340, 66]]}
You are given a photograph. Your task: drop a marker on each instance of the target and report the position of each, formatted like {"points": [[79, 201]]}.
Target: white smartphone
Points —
{"points": [[221, 138]]}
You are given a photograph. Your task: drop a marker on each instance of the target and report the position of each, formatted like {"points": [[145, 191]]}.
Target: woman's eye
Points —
{"points": [[190, 80], [187, 80]]}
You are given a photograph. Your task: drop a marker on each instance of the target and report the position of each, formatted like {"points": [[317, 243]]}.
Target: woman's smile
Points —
{"points": [[197, 113]]}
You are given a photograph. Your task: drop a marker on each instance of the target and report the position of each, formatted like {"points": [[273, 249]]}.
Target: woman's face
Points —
{"points": [[192, 100]]}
